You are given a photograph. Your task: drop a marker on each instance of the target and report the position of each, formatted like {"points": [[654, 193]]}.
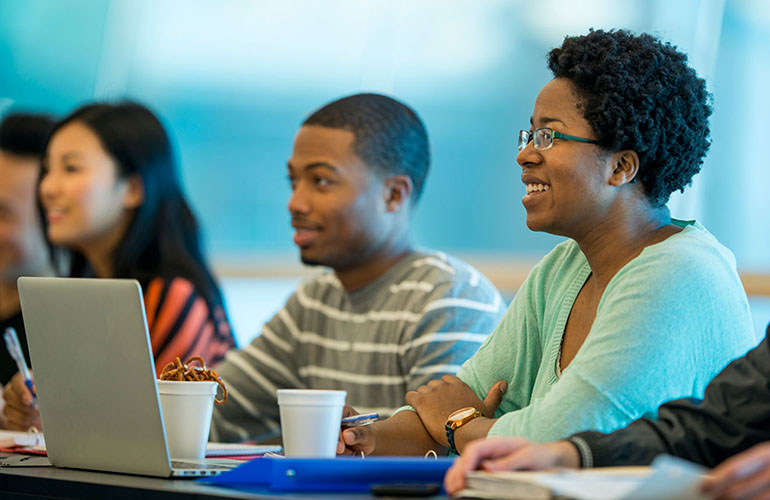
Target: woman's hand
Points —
{"points": [[746, 475], [509, 453], [436, 400], [19, 412]]}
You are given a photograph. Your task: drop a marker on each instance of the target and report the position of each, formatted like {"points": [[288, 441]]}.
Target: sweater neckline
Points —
{"points": [[386, 279], [577, 284]]}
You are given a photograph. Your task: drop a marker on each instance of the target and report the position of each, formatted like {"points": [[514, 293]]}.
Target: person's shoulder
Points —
{"points": [[436, 273], [435, 267], [691, 259], [692, 247], [170, 289], [171, 297], [171, 284]]}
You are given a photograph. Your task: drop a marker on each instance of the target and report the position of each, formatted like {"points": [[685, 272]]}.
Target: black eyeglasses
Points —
{"points": [[542, 138]]}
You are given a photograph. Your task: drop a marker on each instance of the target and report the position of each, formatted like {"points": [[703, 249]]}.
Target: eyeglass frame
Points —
{"points": [[554, 135]]}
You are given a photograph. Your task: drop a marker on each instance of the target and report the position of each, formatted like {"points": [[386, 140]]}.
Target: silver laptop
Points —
{"points": [[95, 378]]}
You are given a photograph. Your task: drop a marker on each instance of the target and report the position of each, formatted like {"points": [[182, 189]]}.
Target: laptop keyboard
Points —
{"points": [[178, 464]]}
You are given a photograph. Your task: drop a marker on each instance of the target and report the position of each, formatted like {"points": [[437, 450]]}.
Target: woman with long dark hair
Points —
{"points": [[113, 208], [112, 198]]}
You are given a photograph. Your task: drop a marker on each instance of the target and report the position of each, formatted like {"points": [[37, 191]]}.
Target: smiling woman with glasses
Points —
{"points": [[634, 308]]}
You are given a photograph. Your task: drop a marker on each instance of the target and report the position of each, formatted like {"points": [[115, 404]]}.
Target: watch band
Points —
{"points": [[450, 436], [451, 426]]}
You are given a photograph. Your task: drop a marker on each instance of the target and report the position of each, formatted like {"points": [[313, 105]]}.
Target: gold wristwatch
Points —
{"points": [[457, 419]]}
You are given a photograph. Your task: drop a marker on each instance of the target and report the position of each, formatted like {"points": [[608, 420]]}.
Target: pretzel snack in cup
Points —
{"points": [[187, 372]]}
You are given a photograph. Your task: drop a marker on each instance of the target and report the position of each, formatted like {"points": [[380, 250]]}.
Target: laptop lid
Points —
{"points": [[94, 374]]}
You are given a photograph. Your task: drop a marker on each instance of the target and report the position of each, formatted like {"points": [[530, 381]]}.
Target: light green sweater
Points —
{"points": [[667, 322]]}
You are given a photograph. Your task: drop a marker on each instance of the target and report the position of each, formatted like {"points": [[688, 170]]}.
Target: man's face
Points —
{"points": [[338, 205], [22, 245]]}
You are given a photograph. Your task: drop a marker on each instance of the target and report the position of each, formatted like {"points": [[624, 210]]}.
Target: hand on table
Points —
{"points": [[19, 412], [354, 440], [436, 400], [745, 475], [509, 453]]}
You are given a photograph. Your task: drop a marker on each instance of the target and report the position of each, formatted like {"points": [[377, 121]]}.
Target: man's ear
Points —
{"points": [[626, 167], [134, 195], [398, 190]]}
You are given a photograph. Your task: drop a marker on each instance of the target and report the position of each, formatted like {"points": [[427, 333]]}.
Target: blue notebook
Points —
{"points": [[341, 474]]}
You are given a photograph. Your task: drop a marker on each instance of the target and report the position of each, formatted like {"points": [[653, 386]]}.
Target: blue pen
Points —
{"points": [[359, 420], [14, 349]]}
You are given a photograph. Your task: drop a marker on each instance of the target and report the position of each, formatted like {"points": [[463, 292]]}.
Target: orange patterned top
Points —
{"points": [[181, 323]]}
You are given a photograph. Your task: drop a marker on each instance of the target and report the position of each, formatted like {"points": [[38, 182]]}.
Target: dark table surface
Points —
{"points": [[54, 483]]}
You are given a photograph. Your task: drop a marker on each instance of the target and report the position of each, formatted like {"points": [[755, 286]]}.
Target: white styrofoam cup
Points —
{"points": [[187, 408], [310, 421]]}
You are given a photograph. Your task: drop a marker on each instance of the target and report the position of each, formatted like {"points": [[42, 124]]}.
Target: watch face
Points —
{"points": [[462, 413]]}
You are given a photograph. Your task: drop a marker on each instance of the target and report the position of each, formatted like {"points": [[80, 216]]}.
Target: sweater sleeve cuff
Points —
{"points": [[584, 450], [597, 449]]}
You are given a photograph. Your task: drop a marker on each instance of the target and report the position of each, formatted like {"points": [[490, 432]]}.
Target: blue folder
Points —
{"points": [[341, 474]]}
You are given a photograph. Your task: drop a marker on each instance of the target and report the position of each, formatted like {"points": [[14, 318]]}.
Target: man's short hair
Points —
{"points": [[25, 134], [389, 135]]}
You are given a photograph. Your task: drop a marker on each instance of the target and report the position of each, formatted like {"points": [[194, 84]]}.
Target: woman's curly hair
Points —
{"points": [[638, 93]]}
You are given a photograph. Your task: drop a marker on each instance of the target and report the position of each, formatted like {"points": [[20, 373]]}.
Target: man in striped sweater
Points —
{"points": [[385, 318]]}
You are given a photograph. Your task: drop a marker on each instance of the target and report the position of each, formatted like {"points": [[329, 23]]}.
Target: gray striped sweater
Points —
{"points": [[420, 320]]}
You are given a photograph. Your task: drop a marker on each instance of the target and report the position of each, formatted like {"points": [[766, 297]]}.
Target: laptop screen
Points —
{"points": [[94, 374]]}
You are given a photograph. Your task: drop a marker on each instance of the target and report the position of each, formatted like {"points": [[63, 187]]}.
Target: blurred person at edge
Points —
{"points": [[23, 250], [114, 207]]}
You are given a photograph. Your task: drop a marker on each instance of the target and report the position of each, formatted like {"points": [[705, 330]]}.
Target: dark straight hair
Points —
{"points": [[163, 238]]}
